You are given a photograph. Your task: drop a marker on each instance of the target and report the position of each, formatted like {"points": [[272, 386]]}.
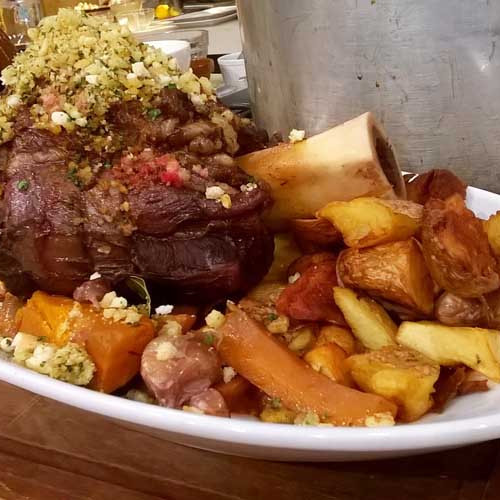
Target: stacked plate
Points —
{"points": [[200, 19]]}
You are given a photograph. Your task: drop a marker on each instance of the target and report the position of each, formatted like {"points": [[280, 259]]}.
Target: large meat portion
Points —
{"points": [[168, 203]]}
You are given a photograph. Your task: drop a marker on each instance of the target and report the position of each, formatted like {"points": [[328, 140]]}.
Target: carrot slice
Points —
{"points": [[265, 362]]}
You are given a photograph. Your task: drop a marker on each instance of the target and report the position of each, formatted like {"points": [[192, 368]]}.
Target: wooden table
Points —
{"points": [[49, 451]]}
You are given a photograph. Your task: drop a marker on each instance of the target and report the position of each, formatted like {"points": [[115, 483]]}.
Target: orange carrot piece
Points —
{"points": [[265, 362]]}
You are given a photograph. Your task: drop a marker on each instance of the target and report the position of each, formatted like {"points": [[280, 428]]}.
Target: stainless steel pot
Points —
{"points": [[428, 69]]}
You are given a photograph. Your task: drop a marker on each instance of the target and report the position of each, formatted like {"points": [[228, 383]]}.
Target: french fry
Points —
{"points": [[399, 374], [477, 348], [366, 222], [395, 272], [368, 320], [330, 360]]}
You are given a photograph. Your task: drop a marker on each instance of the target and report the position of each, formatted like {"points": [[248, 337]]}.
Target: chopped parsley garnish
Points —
{"points": [[23, 185], [208, 339], [154, 113], [73, 176], [107, 164], [276, 403], [172, 86], [272, 317]]}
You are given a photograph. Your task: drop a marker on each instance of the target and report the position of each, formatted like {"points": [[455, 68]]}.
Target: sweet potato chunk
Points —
{"points": [[477, 348], [240, 395], [395, 272], [47, 316], [402, 375], [115, 347], [267, 363], [368, 320], [456, 249], [366, 222], [314, 235], [310, 297], [438, 184]]}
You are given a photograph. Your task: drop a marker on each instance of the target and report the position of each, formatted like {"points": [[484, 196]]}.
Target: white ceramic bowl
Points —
{"points": [[468, 419], [180, 49], [233, 70]]}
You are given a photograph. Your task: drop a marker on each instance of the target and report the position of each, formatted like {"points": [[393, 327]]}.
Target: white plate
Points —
{"points": [[468, 419]]}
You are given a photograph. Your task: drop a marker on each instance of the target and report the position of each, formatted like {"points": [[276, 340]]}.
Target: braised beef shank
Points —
{"points": [[142, 209]]}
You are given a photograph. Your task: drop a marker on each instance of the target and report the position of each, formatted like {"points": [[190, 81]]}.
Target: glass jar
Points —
{"points": [[17, 16]]}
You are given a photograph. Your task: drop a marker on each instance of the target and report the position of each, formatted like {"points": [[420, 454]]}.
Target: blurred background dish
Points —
{"points": [[136, 20], [197, 41], [180, 49], [121, 7], [232, 67]]}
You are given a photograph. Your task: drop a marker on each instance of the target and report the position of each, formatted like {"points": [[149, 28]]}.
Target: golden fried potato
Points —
{"points": [[366, 222], [477, 348], [399, 374], [330, 360], [314, 235], [395, 272], [439, 184], [492, 228], [333, 334], [285, 252], [368, 320], [456, 249]]}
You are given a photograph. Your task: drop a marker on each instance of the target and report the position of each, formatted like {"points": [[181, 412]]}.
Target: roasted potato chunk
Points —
{"points": [[458, 311], [366, 222], [395, 272], [399, 374], [314, 235], [368, 320], [438, 184], [330, 360], [477, 348], [492, 228], [333, 334], [456, 249]]}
